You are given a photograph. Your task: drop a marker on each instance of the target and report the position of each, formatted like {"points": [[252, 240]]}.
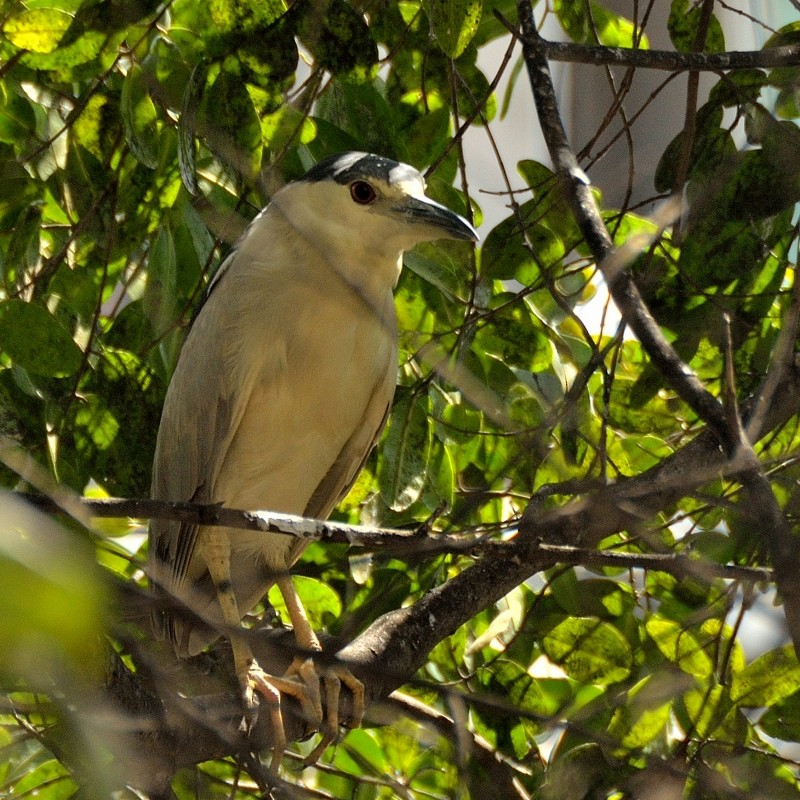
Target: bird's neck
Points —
{"points": [[371, 276]]}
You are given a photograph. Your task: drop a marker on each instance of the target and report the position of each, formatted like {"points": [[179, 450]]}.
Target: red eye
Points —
{"points": [[362, 193]]}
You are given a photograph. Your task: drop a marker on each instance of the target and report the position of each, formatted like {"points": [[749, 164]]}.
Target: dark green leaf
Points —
{"points": [[32, 337], [187, 127], [231, 125], [360, 110], [406, 451], [454, 23], [339, 39], [17, 120], [139, 117], [684, 20], [782, 720]]}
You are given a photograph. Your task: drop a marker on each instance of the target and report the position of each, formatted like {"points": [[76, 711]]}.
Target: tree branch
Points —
{"points": [[626, 295], [667, 60], [670, 60]]}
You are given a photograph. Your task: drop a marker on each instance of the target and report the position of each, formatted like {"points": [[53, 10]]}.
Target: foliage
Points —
{"points": [[138, 138]]}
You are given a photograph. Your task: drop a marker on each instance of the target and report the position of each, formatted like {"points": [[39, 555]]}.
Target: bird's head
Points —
{"points": [[366, 208]]}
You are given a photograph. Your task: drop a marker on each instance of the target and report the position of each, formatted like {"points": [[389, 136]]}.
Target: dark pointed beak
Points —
{"points": [[440, 219]]}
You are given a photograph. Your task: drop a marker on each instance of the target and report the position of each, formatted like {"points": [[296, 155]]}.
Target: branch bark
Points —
{"points": [[671, 60]]}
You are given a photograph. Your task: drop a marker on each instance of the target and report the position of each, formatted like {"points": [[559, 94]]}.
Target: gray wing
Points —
{"points": [[192, 441]]}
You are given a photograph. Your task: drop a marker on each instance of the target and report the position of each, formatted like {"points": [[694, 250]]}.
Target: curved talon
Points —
{"points": [[333, 678], [302, 682], [271, 688], [312, 702]]}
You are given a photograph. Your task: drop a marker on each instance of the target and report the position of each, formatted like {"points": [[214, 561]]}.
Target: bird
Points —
{"points": [[282, 386]]}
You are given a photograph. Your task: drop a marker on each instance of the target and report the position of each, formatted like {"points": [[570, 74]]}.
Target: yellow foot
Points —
{"points": [[332, 678], [302, 682], [271, 688]]}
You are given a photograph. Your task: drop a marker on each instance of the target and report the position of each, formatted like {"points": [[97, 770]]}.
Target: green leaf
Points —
{"points": [[593, 23], [440, 485], [113, 433], [683, 23], [770, 679], [32, 337], [712, 149], [17, 120], [680, 646], [320, 601], [706, 709], [231, 124], [638, 730], [522, 690], [522, 248], [50, 780], [437, 272], [406, 451], [782, 720], [589, 650], [361, 111], [339, 39], [38, 29], [160, 296], [51, 603], [139, 117], [187, 127], [81, 51], [282, 127], [454, 23], [244, 16]]}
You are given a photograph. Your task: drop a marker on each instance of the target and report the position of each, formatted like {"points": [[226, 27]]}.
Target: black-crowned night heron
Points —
{"points": [[281, 390]]}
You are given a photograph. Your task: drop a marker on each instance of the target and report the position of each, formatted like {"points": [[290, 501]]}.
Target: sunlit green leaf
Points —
{"points": [[589, 650], [321, 603], [680, 646], [770, 679], [37, 29], [240, 15], [594, 23]]}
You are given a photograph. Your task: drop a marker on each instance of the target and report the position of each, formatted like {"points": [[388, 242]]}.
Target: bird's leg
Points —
{"points": [[332, 677], [251, 677]]}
